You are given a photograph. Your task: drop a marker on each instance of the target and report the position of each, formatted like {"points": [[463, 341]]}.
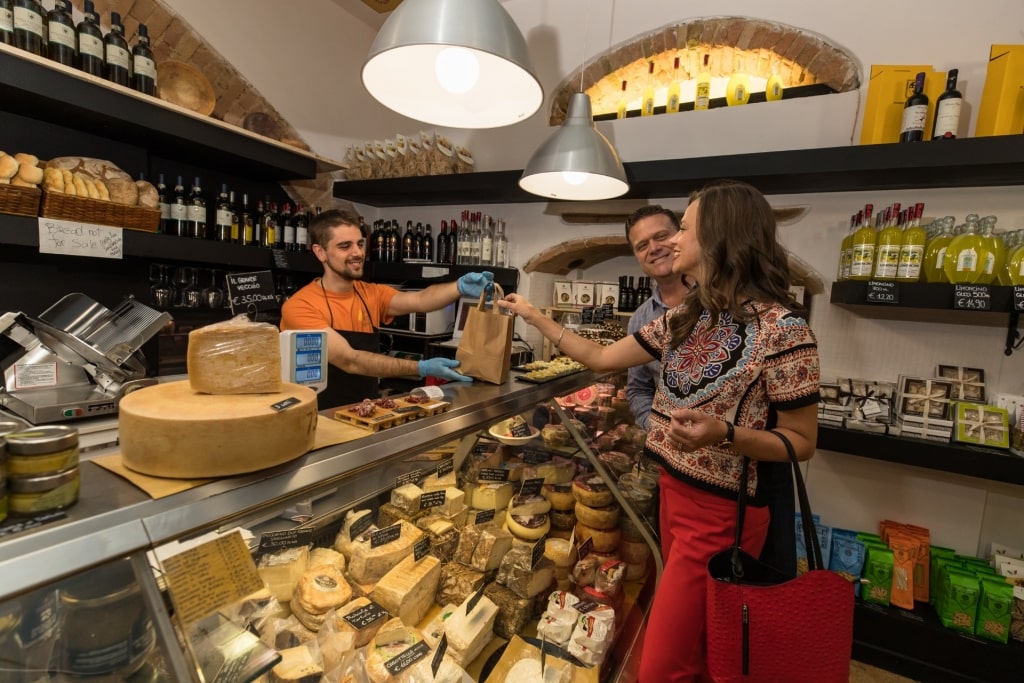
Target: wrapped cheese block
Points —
{"points": [[281, 571], [584, 572], [168, 430], [469, 633], [559, 619], [492, 495], [610, 576], [478, 460], [391, 640], [436, 483], [457, 582], [363, 634], [518, 574], [343, 542], [236, 356], [389, 514], [491, 548], [592, 635], [433, 631], [318, 591], [297, 665], [368, 564], [407, 590], [513, 611]]}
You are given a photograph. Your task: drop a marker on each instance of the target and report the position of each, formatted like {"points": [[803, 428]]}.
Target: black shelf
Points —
{"points": [[973, 461], [971, 162], [49, 92], [932, 296], [428, 273], [916, 644]]}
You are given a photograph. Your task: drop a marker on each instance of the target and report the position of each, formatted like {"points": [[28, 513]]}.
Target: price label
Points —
{"points": [[586, 547], [421, 548], [492, 474], [584, 606], [407, 658], [484, 516], [280, 258], [881, 292], [445, 467], [26, 524], [972, 297], [538, 553], [471, 603], [409, 478], [442, 647], [281, 540], [364, 616], [386, 535], [1018, 298], [285, 404], [535, 456], [587, 315], [359, 526], [433, 499], [252, 292], [520, 429], [532, 487]]}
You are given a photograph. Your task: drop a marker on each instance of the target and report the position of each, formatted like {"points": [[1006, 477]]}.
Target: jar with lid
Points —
{"points": [[43, 450]]}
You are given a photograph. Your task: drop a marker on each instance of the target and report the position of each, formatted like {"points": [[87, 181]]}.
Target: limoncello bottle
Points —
{"points": [[1015, 264], [995, 259], [773, 88], [935, 252], [965, 257], [647, 101], [703, 96], [672, 103], [623, 103], [846, 251], [862, 259], [912, 248], [887, 246], [737, 90]]}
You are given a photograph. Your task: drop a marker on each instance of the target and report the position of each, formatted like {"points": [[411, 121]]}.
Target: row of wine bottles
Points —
{"points": [[476, 240], [26, 25], [946, 115], [632, 292], [267, 225]]}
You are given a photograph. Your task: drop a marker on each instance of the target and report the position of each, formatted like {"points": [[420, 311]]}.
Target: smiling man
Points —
{"points": [[352, 311]]}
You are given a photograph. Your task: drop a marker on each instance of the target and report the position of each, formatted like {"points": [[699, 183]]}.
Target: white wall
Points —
{"points": [[306, 62]]}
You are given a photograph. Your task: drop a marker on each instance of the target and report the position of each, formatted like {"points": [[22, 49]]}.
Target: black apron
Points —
{"points": [[344, 388]]}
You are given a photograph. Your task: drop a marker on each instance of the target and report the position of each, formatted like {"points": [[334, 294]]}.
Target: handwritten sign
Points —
{"points": [[407, 658], [252, 292], [972, 297], [280, 540], [448, 465], [408, 478], [883, 292], [80, 239], [364, 616], [385, 535], [432, 499], [1018, 298]]}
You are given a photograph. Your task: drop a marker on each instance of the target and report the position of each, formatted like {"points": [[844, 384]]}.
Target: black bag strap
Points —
{"points": [[814, 560]]}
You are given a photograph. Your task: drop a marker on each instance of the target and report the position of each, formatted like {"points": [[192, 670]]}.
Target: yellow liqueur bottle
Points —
{"points": [[912, 248], [773, 88], [846, 251], [1011, 242], [965, 257], [737, 90], [935, 251], [672, 103], [623, 103], [1015, 264], [887, 246], [862, 258], [995, 258], [647, 102], [703, 96]]}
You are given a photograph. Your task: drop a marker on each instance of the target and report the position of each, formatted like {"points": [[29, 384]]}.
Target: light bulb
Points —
{"points": [[457, 70], [574, 177]]}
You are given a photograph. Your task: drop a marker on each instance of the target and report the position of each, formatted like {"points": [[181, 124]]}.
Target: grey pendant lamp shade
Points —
{"points": [[453, 63], [577, 162]]}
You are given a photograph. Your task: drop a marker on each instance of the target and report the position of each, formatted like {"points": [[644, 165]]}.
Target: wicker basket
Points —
{"points": [[19, 201], [98, 211]]}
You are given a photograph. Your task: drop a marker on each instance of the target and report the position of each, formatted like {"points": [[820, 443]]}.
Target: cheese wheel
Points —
{"points": [[529, 528], [167, 430], [605, 540], [606, 517], [563, 519], [529, 505], [560, 496], [634, 552], [558, 551], [590, 489]]}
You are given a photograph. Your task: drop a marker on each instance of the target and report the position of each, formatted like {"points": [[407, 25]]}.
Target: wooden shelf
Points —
{"points": [[548, 310], [971, 162]]}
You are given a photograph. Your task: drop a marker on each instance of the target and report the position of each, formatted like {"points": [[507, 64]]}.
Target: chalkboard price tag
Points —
{"points": [[364, 616], [385, 535], [882, 292], [433, 499], [442, 647], [584, 606], [586, 547], [472, 602], [281, 540], [972, 297], [407, 658], [280, 258], [1018, 298], [520, 429], [532, 487], [359, 526], [252, 292], [587, 315], [535, 456], [538, 553], [421, 548], [445, 467], [483, 516], [408, 478], [492, 474]]}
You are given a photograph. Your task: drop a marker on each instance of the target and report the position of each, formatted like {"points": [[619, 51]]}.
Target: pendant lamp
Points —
{"points": [[577, 162], [453, 63]]}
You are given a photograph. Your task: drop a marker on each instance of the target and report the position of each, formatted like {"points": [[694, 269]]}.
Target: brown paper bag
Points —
{"points": [[485, 349]]}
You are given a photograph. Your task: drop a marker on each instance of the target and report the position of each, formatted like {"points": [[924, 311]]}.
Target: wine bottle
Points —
{"points": [[476, 237], [90, 43], [392, 250], [703, 97], [947, 109], [143, 64], [379, 239], [464, 239], [61, 33], [196, 211], [28, 26], [501, 246], [408, 242], [236, 217], [269, 225], [417, 242], [6, 23], [915, 113], [301, 229], [179, 211], [165, 207], [442, 243], [257, 224], [287, 232], [119, 59], [623, 103], [672, 102], [224, 216], [487, 242], [647, 101], [428, 244]]}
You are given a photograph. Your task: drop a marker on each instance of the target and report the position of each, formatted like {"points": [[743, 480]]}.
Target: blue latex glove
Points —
{"points": [[442, 368], [474, 284]]}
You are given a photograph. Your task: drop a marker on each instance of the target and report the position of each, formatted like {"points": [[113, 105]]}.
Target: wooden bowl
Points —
{"points": [[186, 86]]}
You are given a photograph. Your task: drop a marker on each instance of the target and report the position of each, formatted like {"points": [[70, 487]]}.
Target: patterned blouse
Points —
{"points": [[738, 372]]}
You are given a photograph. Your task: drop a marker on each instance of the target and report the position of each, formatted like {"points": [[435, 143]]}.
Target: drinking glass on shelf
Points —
{"points": [[161, 292], [180, 280], [212, 295], [191, 292]]}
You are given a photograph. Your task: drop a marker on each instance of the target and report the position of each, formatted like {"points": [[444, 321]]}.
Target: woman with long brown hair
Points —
{"points": [[737, 359]]}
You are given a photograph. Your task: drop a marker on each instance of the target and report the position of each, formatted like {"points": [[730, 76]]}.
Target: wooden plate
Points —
{"points": [[186, 86]]}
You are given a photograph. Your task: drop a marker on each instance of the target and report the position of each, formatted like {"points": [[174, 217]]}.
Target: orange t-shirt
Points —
{"points": [[312, 308]]}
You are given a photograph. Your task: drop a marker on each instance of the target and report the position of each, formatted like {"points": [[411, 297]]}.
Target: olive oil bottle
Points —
{"points": [[647, 102], [995, 258], [1015, 264], [672, 102], [703, 97]]}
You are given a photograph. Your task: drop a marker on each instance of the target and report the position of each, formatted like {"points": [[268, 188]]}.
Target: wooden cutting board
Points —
{"points": [[383, 418]]}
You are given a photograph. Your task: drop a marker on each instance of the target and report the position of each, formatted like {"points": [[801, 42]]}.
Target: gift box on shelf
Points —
{"points": [[925, 399], [968, 383], [982, 424], [867, 426], [871, 400], [834, 399]]}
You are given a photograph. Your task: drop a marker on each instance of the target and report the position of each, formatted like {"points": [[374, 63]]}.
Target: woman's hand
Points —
{"points": [[520, 306], [692, 429]]}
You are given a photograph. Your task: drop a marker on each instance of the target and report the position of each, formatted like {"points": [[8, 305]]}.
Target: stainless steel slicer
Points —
{"points": [[77, 359]]}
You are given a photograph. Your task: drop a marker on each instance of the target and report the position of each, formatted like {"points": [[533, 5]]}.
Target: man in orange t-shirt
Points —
{"points": [[352, 311]]}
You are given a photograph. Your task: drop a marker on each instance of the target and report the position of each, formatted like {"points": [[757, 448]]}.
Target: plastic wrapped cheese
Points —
{"points": [[236, 356]]}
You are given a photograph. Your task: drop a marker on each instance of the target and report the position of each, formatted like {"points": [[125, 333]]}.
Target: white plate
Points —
{"points": [[512, 440]]}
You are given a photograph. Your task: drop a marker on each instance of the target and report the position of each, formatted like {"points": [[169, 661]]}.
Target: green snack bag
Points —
{"points": [[942, 567], [961, 601], [995, 605], [878, 572], [865, 536], [937, 553]]}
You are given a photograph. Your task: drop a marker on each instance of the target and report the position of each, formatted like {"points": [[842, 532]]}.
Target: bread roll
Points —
{"points": [[69, 182], [101, 187], [53, 180], [18, 182], [5, 181], [120, 185], [80, 188], [24, 158], [30, 174], [8, 166], [148, 196], [90, 187]]}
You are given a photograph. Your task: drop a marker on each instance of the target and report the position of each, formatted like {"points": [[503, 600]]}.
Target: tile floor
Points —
{"points": [[863, 673]]}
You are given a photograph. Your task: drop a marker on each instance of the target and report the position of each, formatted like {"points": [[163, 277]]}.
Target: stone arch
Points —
{"points": [[804, 58]]}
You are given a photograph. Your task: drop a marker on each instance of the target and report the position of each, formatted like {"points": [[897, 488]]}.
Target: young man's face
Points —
{"points": [[650, 238], [345, 252]]}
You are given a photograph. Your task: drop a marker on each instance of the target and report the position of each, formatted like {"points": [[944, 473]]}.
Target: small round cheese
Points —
{"points": [[560, 496], [563, 519], [558, 551], [634, 552], [606, 517], [530, 528], [591, 489], [605, 540], [529, 505]]}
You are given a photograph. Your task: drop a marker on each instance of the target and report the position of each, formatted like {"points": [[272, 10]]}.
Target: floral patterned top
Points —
{"points": [[740, 372]]}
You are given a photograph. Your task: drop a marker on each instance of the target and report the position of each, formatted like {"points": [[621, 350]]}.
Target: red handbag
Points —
{"points": [[766, 627]]}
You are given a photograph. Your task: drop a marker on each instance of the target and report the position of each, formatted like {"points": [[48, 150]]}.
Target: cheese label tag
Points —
{"points": [[359, 526], [484, 516], [472, 602], [535, 456], [32, 523], [532, 487], [285, 404], [442, 647], [364, 616], [252, 292], [385, 536], [408, 478], [538, 553], [445, 467], [584, 606], [421, 548], [520, 429], [407, 658], [586, 547], [492, 474], [433, 499], [282, 540]]}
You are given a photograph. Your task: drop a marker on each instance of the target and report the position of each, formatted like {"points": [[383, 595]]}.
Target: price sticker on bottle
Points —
{"points": [[882, 292], [972, 297]]}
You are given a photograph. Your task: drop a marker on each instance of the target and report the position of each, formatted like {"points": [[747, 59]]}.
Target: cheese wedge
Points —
{"points": [[468, 634], [368, 565], [297, 666], [235, 357], [281, 571], [407, 590]]}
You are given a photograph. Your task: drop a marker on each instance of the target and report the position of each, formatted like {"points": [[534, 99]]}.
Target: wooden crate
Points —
{"points": [[384, 418]]}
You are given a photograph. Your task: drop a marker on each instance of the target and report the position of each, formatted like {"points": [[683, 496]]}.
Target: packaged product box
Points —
{"points": [[982, 424], [926, 400], [608, 293], [888, 89], [563, 294], [583, 293], [1001, 111], [968, 383]]}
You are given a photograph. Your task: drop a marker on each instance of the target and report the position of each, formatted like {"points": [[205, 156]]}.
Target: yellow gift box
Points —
{"points": [[1001, 111], [888, 89]]}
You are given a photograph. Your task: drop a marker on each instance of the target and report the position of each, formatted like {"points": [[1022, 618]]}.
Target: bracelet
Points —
{"points": [[560, 335]]}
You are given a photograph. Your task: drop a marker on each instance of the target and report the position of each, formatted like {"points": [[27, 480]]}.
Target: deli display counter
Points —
{"points": [[88, 593]]}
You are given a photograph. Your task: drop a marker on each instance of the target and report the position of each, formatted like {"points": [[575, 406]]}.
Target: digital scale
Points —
{"points": [[304, 358]]}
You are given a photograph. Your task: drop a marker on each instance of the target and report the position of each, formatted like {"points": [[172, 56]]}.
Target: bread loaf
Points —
{"points": [[69, 182], [53, 180], [148, 196], [121, 186]]}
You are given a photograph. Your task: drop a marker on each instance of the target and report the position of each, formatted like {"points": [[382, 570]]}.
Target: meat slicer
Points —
{"points": [[77, 359]]}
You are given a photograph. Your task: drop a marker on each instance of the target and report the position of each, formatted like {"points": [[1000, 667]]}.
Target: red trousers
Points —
{"points": [[695, 525]]}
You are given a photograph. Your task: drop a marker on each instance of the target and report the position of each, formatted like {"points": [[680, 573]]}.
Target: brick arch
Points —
{"points": [[805, 58]]}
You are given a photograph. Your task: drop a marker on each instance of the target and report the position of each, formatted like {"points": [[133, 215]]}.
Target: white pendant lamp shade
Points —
{"points": [[577, 162], [453, 63]]}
